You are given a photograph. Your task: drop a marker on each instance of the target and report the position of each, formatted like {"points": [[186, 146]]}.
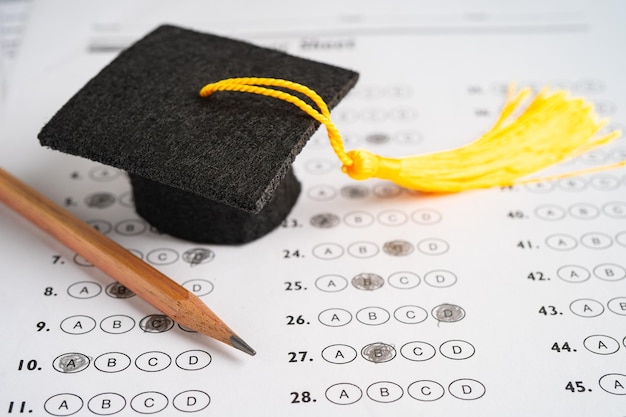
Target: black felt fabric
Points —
{"points": [[191, 217], [142, 114]]}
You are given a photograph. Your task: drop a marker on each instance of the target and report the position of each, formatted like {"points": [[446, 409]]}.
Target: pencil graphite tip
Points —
{"points": [[238, 343]]}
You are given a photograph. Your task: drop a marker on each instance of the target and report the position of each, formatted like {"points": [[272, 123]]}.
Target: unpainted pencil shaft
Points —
{"points": [[111, 258]]}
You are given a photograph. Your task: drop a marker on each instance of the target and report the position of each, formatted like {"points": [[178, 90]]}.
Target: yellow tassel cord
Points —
{"points": [[552, 128]]}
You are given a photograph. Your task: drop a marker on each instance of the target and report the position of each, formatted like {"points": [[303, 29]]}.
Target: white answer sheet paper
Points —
{"points": [[369, 300]]}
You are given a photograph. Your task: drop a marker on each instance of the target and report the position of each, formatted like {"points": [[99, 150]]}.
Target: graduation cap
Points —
{"points": [[214, 170]]}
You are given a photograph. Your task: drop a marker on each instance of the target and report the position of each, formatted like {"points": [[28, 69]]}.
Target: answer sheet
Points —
{"points": [[369, 300]]}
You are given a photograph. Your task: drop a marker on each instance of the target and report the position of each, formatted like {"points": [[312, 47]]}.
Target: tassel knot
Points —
{"points": [[364, 164]]}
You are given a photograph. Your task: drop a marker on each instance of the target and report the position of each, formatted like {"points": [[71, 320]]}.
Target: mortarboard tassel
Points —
{"points": [[553, 127]]}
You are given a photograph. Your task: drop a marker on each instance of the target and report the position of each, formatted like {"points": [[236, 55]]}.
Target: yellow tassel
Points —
{"points": [[553, 127]]}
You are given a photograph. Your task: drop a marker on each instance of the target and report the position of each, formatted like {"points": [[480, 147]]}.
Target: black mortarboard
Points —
{"points": [[214, 170]]}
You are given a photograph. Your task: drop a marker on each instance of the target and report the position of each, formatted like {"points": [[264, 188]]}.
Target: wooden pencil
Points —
{"points": [[108, 256]]}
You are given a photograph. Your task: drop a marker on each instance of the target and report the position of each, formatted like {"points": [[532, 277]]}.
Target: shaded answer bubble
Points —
{"points": [[197, 256], [354, 191], [377, 138], [378, 352], [69, 363], [397, 248], [448, 313], [367, 281], [100, 200], [156, 323], [117, 290], [325, 220]]}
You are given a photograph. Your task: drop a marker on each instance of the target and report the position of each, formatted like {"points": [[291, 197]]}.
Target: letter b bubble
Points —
{"points": [[385, 392], [106, 404]]}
